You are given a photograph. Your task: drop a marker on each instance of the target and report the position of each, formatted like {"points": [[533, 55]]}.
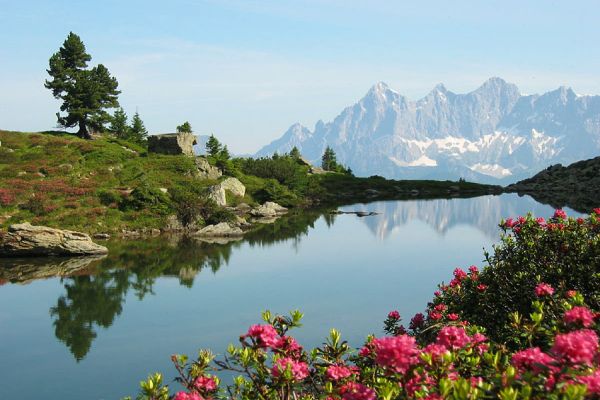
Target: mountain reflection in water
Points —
{"points": [[95, 288]]}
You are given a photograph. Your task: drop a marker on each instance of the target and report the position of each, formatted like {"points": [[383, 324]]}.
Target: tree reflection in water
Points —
{"points": [[96, 298]]}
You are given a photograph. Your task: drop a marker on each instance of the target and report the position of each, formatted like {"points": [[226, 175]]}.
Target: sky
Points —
{"points": [[246, 70]]}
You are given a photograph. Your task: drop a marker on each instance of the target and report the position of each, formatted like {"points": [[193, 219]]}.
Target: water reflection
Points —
{"points": [[483, 212], [95, 288]]}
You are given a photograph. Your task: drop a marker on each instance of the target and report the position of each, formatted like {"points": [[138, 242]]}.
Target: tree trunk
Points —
{"points": [[83, 131]]}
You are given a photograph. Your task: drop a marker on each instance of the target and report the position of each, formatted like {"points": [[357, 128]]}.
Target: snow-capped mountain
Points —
{"points": [[492, 134]]}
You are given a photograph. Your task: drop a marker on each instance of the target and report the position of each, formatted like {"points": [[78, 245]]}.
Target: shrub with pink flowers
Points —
{"points": [[551, 352]]}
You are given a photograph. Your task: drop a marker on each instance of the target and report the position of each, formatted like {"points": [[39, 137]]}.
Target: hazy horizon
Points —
{"points": [[247, 70]]}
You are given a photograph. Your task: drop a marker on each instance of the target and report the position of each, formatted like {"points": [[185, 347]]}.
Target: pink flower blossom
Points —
{"points": [[440, 307], [579, 315], [509, 223], [205, 383], [541, 221], [357, 391], [580, 221], [397, 353], [473, 269], [436, 350], [560, 214], [437, 293], [453, 337], [187, 396], [299, 368], [453, 317], [394, 315], [596, 211], [288, 345], [543, 289], [577, 347], [337, 372], [532, 359], [460, 274], [481, 287], [592, 382], [265, 335], [434, 315], [417, 321], [571, 293]]}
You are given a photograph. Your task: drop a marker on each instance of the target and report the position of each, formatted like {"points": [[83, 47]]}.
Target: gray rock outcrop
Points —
{"points": [[236, 187], [222, 229], [172, 143], [217, 194], [207, 171], [268, 210], [30, 240]]}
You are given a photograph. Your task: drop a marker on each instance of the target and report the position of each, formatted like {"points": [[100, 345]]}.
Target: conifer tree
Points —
{"points": [[213, 146], [295, 153], [118, 125], [329, 161], [85, 93], [137, 131]]}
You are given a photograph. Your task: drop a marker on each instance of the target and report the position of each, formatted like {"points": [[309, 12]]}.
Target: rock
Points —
{"points": [[236, 187], [101, 236], [243, 208], [30, 240], [222, 229], [207, 171], [164, 190], [172, 143], [269, 209], [217, 194]]}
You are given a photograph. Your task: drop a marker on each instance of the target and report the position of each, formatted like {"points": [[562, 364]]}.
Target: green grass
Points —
{"points": [[59, 180]]}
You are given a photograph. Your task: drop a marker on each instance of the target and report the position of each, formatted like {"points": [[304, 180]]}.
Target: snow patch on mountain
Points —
{"points": [[492, 134]]}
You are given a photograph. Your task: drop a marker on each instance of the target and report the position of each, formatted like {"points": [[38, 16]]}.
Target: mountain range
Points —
{"points": [[493, 134]]}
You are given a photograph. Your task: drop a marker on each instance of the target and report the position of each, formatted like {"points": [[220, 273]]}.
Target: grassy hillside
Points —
{"points": [[106, 185]]}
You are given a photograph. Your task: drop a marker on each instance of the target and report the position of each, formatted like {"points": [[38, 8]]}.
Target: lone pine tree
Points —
{"points": [[86, 93]]}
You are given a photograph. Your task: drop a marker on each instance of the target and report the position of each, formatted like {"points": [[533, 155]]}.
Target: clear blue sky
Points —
{"points": [[246, 70]]}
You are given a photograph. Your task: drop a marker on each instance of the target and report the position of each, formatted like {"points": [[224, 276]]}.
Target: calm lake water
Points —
{"points": [[95, 334]]}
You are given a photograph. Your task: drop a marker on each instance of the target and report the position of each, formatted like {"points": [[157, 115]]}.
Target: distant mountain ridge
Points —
{"points": [[493, 134]]}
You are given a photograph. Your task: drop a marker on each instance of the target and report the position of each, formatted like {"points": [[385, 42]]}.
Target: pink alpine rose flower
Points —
{"points": [[357, 391], [532, 359], [187, 396], [577, 347], [205, 383], [265, 335], [417, 321], [592, 382], [397, 353], [299, 368], [579, 315], [560, 214], [394, 315], [543, 289], [453, 337], [337, 372]]}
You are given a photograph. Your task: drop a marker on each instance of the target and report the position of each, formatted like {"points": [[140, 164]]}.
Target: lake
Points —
{"points": [[98, 332]]}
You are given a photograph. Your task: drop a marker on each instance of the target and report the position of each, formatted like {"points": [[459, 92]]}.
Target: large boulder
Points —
{"points": [[172, 143], [207, 171], [236, 187], [217, 194], [30, 240], [222, 229], [268, 210]]}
